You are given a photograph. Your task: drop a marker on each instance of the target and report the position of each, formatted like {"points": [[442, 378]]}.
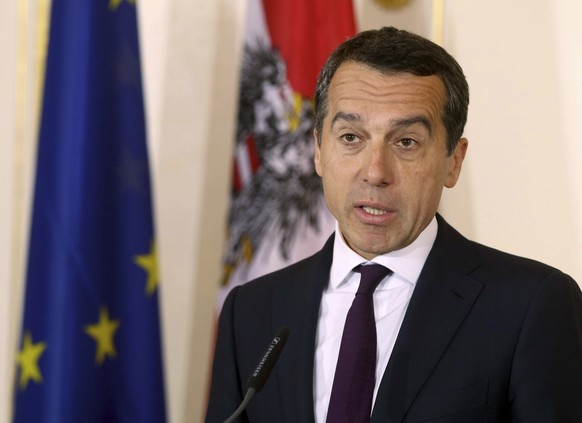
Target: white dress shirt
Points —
{"points": [[391, 300]]}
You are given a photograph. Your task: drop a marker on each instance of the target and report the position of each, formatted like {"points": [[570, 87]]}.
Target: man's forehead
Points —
{"points": [[355, 71], [355, 85]]}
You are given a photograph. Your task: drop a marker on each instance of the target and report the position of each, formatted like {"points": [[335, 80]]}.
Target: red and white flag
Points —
{"points": [[277, 213]]}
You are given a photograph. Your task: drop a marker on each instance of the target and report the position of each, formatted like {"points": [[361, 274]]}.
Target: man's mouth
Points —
{"points": [[373, 211]]}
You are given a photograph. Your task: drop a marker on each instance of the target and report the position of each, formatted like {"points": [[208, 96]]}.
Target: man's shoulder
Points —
{"points": [[502, 264], [309, 268], [495, 264]]}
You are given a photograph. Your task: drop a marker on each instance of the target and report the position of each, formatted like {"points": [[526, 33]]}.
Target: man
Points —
{"points": [[464, 333]]}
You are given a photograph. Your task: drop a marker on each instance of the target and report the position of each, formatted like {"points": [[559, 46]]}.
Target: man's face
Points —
{"points": [[383, 156]]}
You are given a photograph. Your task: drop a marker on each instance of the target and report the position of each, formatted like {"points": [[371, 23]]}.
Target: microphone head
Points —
{"points": [[259, 377]]}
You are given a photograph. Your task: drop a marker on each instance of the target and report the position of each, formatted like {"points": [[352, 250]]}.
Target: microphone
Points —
{"points": [[261, 373]]}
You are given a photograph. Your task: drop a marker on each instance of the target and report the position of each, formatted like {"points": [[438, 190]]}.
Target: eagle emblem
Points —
{"points": [[276, 190]]}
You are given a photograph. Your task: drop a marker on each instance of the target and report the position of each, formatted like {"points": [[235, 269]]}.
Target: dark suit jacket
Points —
{"points": [[487, 337]]}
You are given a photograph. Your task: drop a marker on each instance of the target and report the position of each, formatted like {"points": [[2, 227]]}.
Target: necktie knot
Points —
{"points": [[372, 275]]}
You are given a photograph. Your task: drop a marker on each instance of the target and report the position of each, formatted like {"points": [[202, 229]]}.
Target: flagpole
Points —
{"points": [[437, 21]]}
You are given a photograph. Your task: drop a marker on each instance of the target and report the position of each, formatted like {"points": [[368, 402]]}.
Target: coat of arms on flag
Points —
{"points": [[277, 213]]}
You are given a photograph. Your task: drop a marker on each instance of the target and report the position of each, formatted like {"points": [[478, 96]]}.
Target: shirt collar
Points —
{"points": [[407, 262]]}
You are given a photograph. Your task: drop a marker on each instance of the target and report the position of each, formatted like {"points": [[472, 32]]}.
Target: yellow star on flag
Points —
{"points": [[103, 332], [27, 359], [114, 4], [149, 263]]}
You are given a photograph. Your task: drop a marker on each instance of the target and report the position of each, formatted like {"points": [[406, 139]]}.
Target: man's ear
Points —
{"points": [[317, 157], [456, 163]]}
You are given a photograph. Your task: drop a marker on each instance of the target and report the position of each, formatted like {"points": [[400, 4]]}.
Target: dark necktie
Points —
{"points": [[355, 373]]}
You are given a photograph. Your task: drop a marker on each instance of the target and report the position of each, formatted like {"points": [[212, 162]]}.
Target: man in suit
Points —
{"points": [[465, 333]]}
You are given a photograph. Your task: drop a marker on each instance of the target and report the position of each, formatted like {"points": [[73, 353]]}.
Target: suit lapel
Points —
{"points": [[443, 297], [296, 306]]}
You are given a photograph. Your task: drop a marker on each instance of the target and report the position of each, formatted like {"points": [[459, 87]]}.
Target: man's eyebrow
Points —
{"points": [[348, 117], [399, 123], [423, 120]]}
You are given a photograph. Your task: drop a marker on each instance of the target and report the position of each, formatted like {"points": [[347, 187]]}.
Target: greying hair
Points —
{"points": [[394, 51]]}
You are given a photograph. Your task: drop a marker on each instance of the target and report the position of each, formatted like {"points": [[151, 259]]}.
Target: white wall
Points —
{"points": [[190, 54], [7, 135], [521, 188], [20, 33]]}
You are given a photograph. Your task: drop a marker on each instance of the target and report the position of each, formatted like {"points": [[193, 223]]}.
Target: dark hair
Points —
{"points": [[391, 50]]}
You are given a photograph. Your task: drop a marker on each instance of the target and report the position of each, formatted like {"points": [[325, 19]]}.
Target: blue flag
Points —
{"points": [[90, 349]]}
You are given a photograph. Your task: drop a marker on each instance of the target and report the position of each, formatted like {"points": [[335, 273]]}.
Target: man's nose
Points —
{"points": [[378, 169]]}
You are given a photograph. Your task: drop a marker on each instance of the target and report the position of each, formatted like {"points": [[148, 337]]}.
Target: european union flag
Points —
{"points": [[90, 348]]}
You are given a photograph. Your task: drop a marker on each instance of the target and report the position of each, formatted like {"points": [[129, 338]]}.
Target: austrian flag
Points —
{"points": [[277, 214]]}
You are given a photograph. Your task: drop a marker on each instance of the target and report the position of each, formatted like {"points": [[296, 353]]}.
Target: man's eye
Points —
{"points": [[349, 138], [407, 142]]}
